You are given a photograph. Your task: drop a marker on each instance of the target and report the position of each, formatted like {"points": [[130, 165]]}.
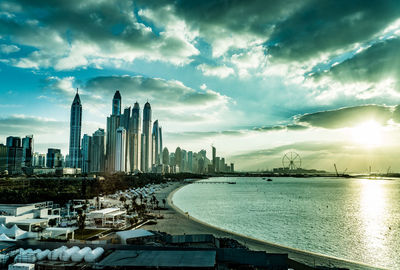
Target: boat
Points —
{"points": [[269, 180]]}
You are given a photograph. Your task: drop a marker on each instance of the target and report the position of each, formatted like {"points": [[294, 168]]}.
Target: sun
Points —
{"points": [[368, 134]]}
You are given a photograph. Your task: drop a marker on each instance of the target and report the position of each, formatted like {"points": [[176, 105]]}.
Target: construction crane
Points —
{"points": [[337, 174]]}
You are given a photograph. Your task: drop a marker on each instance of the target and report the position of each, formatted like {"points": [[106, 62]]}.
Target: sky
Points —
{"points": [[256, 79]]}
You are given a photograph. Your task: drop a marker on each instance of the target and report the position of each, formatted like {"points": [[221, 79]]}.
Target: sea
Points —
{"points": [[349, 218]]}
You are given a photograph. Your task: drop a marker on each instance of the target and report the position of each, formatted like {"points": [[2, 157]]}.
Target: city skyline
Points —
{"points": [[256, 80]]}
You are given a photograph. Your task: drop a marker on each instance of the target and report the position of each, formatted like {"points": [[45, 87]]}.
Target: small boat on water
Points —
{"points": [[269, 180]]}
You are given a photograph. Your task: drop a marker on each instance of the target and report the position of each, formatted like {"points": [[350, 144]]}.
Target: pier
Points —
{"points": [[214, 182]]}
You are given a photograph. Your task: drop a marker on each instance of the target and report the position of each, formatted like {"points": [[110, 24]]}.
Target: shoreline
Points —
{"points": [[178, 222]]}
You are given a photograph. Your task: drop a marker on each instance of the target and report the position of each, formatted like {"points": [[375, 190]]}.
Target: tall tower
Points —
{"points": [[75, 132], [120, 158], [214, 152], [98, 151], [27, 151], [86, 153], [135, 139], [157, 143], [113, 122], [116, 109], [147, 137]]}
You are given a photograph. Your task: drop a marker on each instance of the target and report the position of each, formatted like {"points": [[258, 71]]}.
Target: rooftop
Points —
{"points": [[160, 258]]}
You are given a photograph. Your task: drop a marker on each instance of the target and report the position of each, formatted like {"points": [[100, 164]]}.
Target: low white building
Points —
{"points": [[108, 217], [28, 216]]}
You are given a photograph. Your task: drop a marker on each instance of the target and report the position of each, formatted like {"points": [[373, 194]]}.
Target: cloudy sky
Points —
{"points": [[254, 78]]}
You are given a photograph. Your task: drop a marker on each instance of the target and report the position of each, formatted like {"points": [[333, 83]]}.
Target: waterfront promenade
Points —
{"points": [[176, 222]]}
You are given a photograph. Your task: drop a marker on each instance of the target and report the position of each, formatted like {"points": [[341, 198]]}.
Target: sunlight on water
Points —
{"points": [[374, 214], [354, 219]]}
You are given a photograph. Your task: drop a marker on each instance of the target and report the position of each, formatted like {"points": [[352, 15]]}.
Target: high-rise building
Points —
{"points": [[116, 104], [86, 153], [178, 157], [98, 149], [14, 155], [39, 160], [27, 151], [232, 168], [3, 158], [75, 133], [113, 122], [54, 158], [125, 123], [157, 152], [190, 161], [165, 156], [120, 154], [214, 152], [147, 139], [134, 137]]}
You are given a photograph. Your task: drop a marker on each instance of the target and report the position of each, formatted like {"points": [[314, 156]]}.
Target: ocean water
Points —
{"points": [[354, 219]]}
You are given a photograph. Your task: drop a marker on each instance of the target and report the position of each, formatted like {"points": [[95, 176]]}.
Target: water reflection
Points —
{"points": [[373, 210]]}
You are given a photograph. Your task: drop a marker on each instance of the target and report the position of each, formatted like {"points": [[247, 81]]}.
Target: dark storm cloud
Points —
{"points": [[162, 91], [255, 17], [378, 62], [347, 117], [325, 26]]}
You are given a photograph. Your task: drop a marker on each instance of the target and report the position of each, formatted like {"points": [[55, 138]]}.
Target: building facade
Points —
{"points": [[75, 133]]}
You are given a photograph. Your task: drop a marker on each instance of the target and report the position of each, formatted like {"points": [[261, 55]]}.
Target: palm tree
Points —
{"points": [[122, 199]]}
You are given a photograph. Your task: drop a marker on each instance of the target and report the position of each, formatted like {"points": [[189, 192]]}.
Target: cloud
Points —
{"points": [[218, 71], [323, 27], [199, 135], [21, 125], [375, 64], [289, 127], [164, 92], [7, 49], [348, 117], [71, 34]]}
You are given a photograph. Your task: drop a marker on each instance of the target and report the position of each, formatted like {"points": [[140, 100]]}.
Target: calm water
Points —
{"points": [[355, 219]]}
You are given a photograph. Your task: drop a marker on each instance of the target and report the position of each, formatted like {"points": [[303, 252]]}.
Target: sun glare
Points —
{"points": [[368, 134]]}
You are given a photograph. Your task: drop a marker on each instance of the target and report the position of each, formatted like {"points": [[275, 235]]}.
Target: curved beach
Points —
{"points": [[175, 221]]}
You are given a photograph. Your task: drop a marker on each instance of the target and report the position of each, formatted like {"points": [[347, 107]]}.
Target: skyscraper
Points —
{"points": [[120, 154], [113, 122], [98, 151], [3, 158], [75, 133], [147, 138], [178, 157], [165, 159], [116, 103], [86, 153], [53, 158], [190, 161], [14, 155], [214, 152], [134, 137], [27, 151], [157, 143]]}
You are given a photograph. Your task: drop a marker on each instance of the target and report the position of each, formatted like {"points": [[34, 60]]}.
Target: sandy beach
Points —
{"points": [[177, 222]]}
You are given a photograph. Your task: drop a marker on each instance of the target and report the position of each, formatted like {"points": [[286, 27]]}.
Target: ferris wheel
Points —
{"points": [[291, 161]]}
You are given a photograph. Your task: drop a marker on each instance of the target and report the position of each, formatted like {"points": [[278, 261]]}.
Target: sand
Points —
{"points": [[176, 222]]}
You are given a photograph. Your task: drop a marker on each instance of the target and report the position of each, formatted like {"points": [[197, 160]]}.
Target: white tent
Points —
{"points": [[15, 232], [5, 238]]}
